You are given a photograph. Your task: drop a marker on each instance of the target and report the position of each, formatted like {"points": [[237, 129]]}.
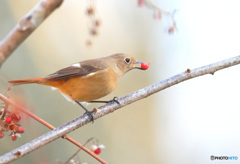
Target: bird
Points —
{"points": [[88, 80]]}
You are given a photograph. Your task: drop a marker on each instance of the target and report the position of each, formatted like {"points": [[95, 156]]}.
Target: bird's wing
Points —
{"points": [[77, 69]]}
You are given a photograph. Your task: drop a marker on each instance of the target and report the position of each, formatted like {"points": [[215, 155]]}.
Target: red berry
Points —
{"points": [[145, 66], [15, 117], [141, 3], [11, 127], [14, 137], [8, 120], [157, 15], [97, 150], [171, 30], [97, 23], [20, 129], [1, 134], [88, 42], [93, 32], [90, 11]]}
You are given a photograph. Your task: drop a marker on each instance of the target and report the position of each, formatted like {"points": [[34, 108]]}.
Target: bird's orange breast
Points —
{"points": [[89, 87]]}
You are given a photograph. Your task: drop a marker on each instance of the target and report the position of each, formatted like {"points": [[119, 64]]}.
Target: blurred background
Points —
{"points": [[186, 123]]}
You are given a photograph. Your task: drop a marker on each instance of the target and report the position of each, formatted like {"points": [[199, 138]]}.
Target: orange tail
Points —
{"points": [[25, 81]]}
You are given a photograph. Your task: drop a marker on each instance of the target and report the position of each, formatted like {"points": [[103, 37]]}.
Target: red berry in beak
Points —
{"points": [[145, 66]]}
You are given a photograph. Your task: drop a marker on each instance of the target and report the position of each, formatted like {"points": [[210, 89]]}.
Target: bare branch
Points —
{"points": [[111, 107], [151, 5], [26, 26]]}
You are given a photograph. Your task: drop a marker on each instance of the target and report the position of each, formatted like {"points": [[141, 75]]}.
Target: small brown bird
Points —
{"points": [[88, 80]]}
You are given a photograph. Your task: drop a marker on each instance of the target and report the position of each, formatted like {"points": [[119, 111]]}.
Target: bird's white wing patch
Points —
{"points": [[76, 65], [90, 74]]}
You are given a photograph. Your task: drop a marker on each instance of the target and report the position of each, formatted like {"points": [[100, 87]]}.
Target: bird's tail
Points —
{"points": [[25, 81]]}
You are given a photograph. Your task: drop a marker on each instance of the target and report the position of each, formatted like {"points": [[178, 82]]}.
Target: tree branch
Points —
{"points": [[111, 107], [26, 26]]}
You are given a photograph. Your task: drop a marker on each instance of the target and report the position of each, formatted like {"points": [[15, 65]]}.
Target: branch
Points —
{"points": [[26, 26], [19, 108], [151, 5], [111, 107]]}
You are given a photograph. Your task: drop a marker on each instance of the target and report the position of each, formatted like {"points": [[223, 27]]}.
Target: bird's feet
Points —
{"points": [[89, 113], [115, 99]]}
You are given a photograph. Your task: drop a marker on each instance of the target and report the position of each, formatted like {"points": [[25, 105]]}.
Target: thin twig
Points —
{"points": [[20, 108], [111, 107], [148, 3], [26, 26], [69, 159]]}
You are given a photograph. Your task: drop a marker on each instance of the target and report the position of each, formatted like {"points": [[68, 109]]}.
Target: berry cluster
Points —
{"points": [[10, 122], [94, 23], [157, 14]]}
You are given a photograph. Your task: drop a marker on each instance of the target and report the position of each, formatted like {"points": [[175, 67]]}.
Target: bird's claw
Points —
{"points": [[115, 99], [89, 113]]}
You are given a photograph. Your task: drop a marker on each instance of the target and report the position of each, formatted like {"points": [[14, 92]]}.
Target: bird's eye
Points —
{"points": [[127, 60]]}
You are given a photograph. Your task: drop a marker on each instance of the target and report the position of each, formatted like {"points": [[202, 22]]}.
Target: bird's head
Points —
{"points": [[126, 63]]}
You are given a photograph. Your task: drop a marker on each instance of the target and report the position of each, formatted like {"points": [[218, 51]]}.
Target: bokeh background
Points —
{"points": [[186, 123]]}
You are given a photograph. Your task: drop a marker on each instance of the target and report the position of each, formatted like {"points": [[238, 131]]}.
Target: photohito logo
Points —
{"points": [[223, 157]]}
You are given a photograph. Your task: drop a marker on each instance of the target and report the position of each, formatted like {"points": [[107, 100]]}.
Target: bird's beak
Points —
{"points": [[138, 65], [143, 66]]}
